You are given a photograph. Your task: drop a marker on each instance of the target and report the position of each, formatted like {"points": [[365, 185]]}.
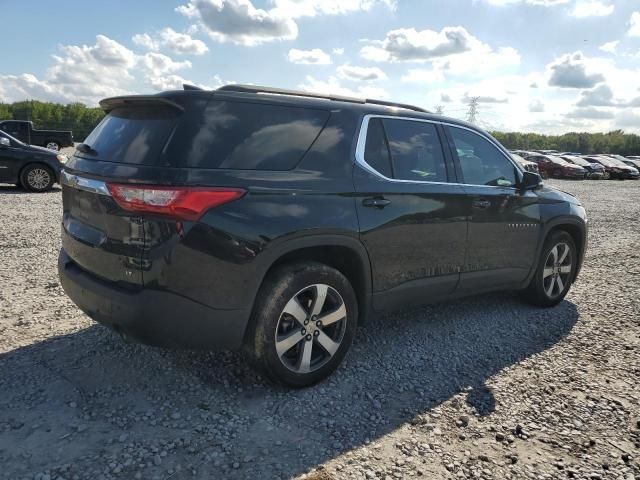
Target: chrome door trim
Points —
{"points": [[87, 184]]}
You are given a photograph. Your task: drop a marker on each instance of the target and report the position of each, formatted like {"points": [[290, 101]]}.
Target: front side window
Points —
{"points": [[405, 150], [481, 162]]}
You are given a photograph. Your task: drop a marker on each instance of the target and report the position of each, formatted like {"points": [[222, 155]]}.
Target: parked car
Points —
{"points": [[627, 161], [24, 131], [595, 171], [246, 218], [34, 168], [551, 166], [526, 164], [615, 168]]}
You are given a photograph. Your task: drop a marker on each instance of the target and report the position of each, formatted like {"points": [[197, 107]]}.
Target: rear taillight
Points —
{"points": [[184, 203]]}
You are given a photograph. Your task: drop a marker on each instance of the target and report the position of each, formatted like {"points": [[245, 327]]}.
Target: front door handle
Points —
{"points": [[481, 203], [377, 202]]}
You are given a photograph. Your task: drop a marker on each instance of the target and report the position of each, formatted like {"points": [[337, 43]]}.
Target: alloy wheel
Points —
{"points": [[557, 270], [38, 178], [311, 328], [53, 146]]}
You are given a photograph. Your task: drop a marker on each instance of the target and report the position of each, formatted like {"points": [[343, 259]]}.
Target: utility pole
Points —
{"points": [[439, 110], [472, 113]]}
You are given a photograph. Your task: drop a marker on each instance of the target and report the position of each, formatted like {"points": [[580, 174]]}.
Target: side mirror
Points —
{"points": [[4, 142], [530, 181]]}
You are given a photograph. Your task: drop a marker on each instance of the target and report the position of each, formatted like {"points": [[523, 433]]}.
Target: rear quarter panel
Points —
{"points": [[221, 260]]}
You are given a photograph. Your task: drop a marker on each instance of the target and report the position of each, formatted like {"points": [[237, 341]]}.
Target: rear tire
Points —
{"points": [[303, 323], [37, 178], [555, 272]]}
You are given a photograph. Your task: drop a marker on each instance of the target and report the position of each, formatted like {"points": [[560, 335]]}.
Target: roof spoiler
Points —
{"points": [[109, 104]]}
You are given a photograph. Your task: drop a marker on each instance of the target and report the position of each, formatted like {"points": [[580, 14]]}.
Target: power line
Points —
{"points": [[439, 110]]}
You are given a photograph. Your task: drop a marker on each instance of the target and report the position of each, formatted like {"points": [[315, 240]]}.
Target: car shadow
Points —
{"points": [[83, 391]]}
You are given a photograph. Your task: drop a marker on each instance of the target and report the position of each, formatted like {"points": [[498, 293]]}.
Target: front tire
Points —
{"points": [[304, 322], [37, 178], [555, 272], [52, 145]]}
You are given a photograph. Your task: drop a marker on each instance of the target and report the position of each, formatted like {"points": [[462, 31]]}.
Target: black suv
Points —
{"points": [[278, 221]]}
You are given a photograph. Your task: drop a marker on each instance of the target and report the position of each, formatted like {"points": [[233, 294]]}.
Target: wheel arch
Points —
{"points": [[574, 227], [345, 254]]}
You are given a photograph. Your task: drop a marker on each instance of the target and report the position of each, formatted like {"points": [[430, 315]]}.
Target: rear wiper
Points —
{"points": [[84, 148]]}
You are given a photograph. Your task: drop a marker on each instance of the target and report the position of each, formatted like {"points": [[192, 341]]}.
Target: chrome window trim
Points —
{"points": [[362, 141], [86, 184]]}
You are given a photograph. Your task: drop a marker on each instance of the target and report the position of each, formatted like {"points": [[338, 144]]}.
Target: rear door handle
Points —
{"points": [[481, 203], [377, 202]]}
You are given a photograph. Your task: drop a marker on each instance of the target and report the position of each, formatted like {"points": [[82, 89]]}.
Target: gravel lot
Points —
{"points": [[481, 388]]}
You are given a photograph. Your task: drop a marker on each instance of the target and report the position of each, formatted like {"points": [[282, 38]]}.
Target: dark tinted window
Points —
{"points": [[416, 151], [135, 135], [243, 136], [376, 152], [481, 162]]}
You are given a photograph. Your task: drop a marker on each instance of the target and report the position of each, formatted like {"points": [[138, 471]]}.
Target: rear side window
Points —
{"points": [[243, 136], [416, 151], [376, 152], [405, 150], [134, 135]]}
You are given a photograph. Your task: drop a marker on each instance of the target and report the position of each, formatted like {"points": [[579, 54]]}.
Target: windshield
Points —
{"points": [[616, 162], [604, 161], [558, 160], [577, 160], [12, 139]]}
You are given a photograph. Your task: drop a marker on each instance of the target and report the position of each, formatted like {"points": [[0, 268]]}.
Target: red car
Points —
{"points": [[551, 166], [616, 168]]}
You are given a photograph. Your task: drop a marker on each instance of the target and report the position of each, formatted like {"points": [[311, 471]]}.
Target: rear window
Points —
{"points": [[243, 136], [134, 135]]}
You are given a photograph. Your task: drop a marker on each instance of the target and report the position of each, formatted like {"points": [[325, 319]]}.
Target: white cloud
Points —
{"points": [[541, 3], [610, 47], [590, 113], [592, 8], [634, 23], [332, 86], [536, 106], [311, 8], [309, 57], [572, 70], [352, 72], [601, 96], [88, 73], [338, 51], [238, 21], [180, 43], [146, 41], [154, 63], [409, 44]]}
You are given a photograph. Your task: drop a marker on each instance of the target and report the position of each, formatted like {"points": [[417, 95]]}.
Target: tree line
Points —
{"points": [[76, 117], [616, 142], [81, 119]]}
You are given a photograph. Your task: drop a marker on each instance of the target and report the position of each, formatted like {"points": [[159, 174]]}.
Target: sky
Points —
{"points": [[546, 66]]}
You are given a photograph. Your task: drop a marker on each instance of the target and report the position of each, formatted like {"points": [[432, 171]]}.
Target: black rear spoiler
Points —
{"points": [[109, 104]]}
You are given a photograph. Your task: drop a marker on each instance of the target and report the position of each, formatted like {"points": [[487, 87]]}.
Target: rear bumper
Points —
{"points": [[595, 175], [153, 317]]}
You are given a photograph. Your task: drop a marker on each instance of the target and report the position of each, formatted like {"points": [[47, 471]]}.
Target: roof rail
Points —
{"points": [[298, 93]]}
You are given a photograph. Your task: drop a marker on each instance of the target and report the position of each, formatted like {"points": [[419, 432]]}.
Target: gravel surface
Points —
{"points": [[480, 388]]}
